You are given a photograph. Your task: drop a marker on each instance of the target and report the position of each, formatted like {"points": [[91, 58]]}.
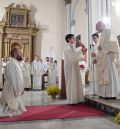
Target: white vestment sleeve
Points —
{"points": [[32, 69], [110, 47], [16, 79], [73, 55]]}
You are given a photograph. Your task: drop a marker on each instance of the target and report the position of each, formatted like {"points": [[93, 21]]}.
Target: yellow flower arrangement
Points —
{"points": [[117, 118], [53, 90]]}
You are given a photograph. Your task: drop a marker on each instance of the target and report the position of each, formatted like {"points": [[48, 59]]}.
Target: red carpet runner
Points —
{"points": [[54, 112]]}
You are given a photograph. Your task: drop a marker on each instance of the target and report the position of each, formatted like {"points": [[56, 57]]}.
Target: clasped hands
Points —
{"points": [[94, 60], [93, 54], [84, 50], [99, 48]]}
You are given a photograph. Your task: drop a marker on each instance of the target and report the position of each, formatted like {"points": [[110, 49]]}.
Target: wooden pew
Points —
{"points": [[63, 85]]}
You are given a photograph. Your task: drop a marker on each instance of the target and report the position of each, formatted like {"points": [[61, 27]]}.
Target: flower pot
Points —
{"points": [[53, 97]]}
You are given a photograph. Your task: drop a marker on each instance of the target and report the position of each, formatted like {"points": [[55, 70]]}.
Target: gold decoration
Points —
{"points": [[68, 1], [13, 30]]}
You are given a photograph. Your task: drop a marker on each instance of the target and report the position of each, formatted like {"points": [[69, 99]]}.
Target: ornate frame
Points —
{"points": [[23, 33]]}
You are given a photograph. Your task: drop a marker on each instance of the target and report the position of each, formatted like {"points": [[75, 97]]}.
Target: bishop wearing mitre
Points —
{"points": [[107, 74]]}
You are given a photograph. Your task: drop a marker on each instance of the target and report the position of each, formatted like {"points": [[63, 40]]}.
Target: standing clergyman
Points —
{"points": [[73, 79], [51, 72], [107, 74], [37, 72], [26, 68]]}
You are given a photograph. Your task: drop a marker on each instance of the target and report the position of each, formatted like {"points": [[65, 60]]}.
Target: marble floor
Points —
{"points": [[41, 98]]}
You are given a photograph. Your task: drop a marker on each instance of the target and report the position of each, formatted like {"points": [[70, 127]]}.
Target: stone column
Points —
{"points": [[89, 11], [71, 8], [106, 12], [68, 19], [73, 11]]}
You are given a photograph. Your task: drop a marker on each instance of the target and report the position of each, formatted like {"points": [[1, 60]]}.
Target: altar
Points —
{"points": [[17, 27]]}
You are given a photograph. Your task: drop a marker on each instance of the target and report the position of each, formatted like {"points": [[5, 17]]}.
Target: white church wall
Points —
{"points": [[115, 18], [81, 23], [96, 13], [50, 17]]}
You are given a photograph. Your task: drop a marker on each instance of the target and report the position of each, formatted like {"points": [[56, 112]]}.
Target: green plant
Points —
{"points": [[53, 90]]}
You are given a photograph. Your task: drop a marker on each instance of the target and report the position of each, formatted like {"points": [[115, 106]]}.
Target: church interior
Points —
{"points": [[39, 28]]}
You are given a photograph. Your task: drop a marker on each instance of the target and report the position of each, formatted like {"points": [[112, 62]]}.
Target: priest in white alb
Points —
{"points": [[26, 68], [4, 62], [107, 74], [57, 68], [51, 72], [46, 67], [37, 71], [10, 101], [72, 56], [93, 69]]}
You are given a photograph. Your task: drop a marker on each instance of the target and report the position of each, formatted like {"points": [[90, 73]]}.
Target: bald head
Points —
{"points": [[14, 51], [16, 54]]}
